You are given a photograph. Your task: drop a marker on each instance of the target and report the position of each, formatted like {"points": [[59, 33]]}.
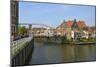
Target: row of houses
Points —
{"points": [[73, 29]]}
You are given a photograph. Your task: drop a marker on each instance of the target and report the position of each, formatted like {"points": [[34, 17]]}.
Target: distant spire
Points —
{"points": [[74, 23], [75, 20], [64, 21]]}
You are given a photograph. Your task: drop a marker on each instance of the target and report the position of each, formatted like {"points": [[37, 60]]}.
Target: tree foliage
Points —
{"points": [[22, 30]]}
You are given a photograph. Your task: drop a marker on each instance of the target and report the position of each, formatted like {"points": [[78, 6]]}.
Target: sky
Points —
{"points": [[54, 14]]}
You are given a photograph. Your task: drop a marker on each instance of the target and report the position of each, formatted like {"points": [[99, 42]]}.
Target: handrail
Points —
{"points": [[18, 45]]}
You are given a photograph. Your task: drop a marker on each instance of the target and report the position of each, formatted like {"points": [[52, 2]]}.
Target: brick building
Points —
{"points": [[14, 18]]}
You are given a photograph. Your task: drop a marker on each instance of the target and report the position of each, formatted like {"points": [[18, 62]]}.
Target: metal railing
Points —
{"points": [[18, 45]]}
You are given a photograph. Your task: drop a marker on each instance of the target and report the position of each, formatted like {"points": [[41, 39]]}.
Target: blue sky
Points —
{"points": [[54, 14]]}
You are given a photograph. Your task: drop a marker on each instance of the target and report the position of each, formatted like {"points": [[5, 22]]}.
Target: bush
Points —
{"points": [[65, 40], [92, 39], [87, 40]]}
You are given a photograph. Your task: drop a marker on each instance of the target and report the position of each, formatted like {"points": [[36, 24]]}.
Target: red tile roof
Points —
{"points": [[69, 23], [80, 24]]}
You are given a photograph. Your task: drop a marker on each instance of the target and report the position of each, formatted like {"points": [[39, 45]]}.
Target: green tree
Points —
{"points": [[22, 30]]}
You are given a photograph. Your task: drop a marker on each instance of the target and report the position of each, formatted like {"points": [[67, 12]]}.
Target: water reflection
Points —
{"points": [[45, 53]]}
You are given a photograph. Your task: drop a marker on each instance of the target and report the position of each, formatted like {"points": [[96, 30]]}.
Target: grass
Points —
{"points": [[87, 40], [65, 40]]}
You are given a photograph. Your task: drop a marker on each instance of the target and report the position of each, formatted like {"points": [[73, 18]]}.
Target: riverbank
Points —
{"points": [[81, 43], [65, 41], [74, 43]]}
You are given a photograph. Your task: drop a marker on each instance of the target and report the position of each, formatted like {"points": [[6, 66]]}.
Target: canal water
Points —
{"points": [[48, 53]]}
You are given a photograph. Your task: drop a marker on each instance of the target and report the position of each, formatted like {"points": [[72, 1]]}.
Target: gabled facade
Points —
{"points": [[72, 29], [75, 31], [74, 26]]}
